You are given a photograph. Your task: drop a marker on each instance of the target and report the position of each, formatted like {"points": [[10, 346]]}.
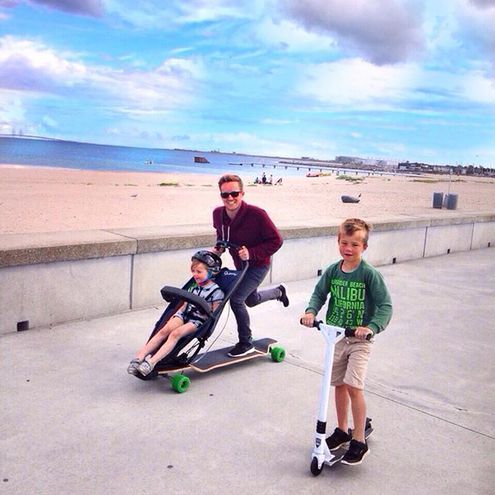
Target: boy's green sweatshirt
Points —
{"points": [[357, 299]]}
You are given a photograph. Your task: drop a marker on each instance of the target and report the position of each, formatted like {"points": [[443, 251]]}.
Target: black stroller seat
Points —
{"points": [[188, 347]]}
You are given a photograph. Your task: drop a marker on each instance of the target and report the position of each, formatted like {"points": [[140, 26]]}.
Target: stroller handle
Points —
{"points": [[349, 332], [224, 245]]}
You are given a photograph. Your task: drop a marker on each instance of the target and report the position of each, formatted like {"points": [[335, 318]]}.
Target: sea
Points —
{"points": [[70, 154]]}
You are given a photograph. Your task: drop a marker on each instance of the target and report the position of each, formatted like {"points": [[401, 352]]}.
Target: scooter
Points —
{"points": [[321, 453]]}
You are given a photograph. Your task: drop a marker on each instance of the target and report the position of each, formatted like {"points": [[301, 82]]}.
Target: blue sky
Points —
{"points": [[389, 79]]}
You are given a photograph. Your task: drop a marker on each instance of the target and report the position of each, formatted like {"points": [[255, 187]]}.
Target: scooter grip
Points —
{"points": [[349, 332], [316, 323]]}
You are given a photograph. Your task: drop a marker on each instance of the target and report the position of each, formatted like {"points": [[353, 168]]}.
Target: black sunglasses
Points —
{"points": [[226, 194]]}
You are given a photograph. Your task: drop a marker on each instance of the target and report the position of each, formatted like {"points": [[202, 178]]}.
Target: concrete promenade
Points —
{"points": [[74, 422]]}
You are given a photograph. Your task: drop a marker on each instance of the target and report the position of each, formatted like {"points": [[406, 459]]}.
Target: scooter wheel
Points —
{"points": [[278, 354], [315, 470], [180, 383]]}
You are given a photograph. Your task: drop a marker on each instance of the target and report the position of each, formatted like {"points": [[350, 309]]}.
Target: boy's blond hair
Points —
{"points": [[352, 225]]}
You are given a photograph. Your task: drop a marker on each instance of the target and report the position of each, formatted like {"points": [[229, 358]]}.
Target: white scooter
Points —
{"points": [[321, 453]]}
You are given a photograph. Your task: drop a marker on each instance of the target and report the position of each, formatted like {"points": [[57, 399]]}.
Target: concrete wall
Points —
{"points": [[50, 278]]}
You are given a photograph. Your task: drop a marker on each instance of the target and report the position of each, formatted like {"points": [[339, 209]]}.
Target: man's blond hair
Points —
{"points": [[230, 178]]}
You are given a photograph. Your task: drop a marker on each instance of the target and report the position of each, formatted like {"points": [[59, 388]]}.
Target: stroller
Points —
{"points": [[185, 353]]}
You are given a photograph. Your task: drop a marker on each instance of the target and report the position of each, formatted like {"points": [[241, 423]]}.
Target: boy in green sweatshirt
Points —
{"points": [[358, 299]]}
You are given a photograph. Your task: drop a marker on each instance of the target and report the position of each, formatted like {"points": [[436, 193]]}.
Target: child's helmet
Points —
{"points": [[211, 260]]}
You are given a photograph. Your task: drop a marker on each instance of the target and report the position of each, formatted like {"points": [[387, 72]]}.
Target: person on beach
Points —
{"points": [[359, 299], [204, 266], [252, 229]]}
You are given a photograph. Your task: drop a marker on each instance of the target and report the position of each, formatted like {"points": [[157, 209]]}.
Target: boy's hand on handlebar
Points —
{"points": [[362, 332], [308, 319], [243, 253]]}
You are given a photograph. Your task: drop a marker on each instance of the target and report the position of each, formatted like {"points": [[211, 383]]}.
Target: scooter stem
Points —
{"points": [[332, 335]]}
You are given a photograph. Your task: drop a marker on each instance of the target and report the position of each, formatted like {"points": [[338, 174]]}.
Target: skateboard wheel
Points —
{"points": [[180, 383], [315, 470], [278, 354]]}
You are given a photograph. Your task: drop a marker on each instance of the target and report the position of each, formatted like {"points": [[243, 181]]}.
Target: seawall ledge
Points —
{"points": [[47, 247]]}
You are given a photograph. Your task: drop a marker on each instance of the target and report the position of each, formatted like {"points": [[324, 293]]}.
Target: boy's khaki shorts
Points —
{"points": [[350, 362]]}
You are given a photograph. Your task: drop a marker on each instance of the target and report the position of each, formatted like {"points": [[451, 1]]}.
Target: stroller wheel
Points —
{"points": [[278, 354], [180, 383]]}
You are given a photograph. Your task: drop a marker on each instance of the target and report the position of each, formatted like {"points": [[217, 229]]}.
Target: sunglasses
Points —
{"points": [[226, 194]]}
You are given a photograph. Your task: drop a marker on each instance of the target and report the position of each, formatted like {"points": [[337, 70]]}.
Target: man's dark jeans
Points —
{"points": [[248, 295]]}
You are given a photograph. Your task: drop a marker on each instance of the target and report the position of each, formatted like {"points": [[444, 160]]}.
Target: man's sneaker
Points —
{"points": [[132, 369], [356, 453], [283, 296], [241, 349], [338, 439]]}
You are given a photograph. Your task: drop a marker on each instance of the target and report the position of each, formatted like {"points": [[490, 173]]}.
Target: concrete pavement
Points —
{"points": [[73, 421]]}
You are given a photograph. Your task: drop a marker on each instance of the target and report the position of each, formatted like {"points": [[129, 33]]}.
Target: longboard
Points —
{"points": [[219, 358]]}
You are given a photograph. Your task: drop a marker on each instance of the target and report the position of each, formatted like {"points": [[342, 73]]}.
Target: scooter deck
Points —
{"points": [[219, 358]]}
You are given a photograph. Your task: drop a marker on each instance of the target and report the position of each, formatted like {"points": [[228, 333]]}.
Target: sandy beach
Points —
{"points": [[39, 199]]}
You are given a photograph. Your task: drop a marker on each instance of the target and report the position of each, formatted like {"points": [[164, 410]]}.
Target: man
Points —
{"points": [[252, 229]]}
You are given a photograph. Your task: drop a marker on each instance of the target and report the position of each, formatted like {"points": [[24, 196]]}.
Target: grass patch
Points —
{"points": [[435, 181], [168, 184], [348, 178]]}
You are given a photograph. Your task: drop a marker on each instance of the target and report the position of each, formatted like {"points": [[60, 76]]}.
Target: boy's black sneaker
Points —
{"points": [[241, 349], [356, 453], [283, 296], [338, 439]]}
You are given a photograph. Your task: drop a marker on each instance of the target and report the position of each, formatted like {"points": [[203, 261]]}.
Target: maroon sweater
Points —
{"points": [[251, 227]]}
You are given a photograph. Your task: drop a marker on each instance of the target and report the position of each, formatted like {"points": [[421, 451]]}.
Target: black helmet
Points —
{"points": [[211, 260]]}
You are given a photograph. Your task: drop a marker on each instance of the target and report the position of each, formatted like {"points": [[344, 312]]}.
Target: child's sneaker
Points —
{"points": [[132, 369], [146, 367], [338, 439], [356, 453]]}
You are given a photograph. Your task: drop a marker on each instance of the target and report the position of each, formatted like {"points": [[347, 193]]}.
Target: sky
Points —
{"points": [[382, 79]]}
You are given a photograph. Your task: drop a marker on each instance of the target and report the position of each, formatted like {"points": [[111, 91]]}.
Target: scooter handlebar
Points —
{"points": [[349, 332]]}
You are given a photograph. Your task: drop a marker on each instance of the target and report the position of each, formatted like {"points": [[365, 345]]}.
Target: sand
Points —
{"points": [[39, 199]]}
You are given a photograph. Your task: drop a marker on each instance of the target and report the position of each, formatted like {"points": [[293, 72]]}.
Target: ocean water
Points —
{"points": [[69, 154]]}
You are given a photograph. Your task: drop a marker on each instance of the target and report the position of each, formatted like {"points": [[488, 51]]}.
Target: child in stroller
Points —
{"points": [[186, 319]]}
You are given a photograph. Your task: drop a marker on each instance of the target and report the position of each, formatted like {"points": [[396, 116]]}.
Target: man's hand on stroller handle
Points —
{"points": [[243, 253], [221, 246]]}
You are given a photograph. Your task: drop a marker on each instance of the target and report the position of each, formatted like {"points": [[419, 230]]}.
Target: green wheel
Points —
{"points": [[278, 354], [180, 383]]}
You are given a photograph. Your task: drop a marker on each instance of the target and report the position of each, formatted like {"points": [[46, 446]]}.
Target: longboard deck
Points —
{"points": [[219, 358]]}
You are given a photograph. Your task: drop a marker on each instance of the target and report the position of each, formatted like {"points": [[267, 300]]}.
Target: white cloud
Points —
{"points": [[476, 23], [355, 82], [476, 87], [359, 85], [384, 32], [159, 14], [245, 142], [29, 66], [288, 35]]}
